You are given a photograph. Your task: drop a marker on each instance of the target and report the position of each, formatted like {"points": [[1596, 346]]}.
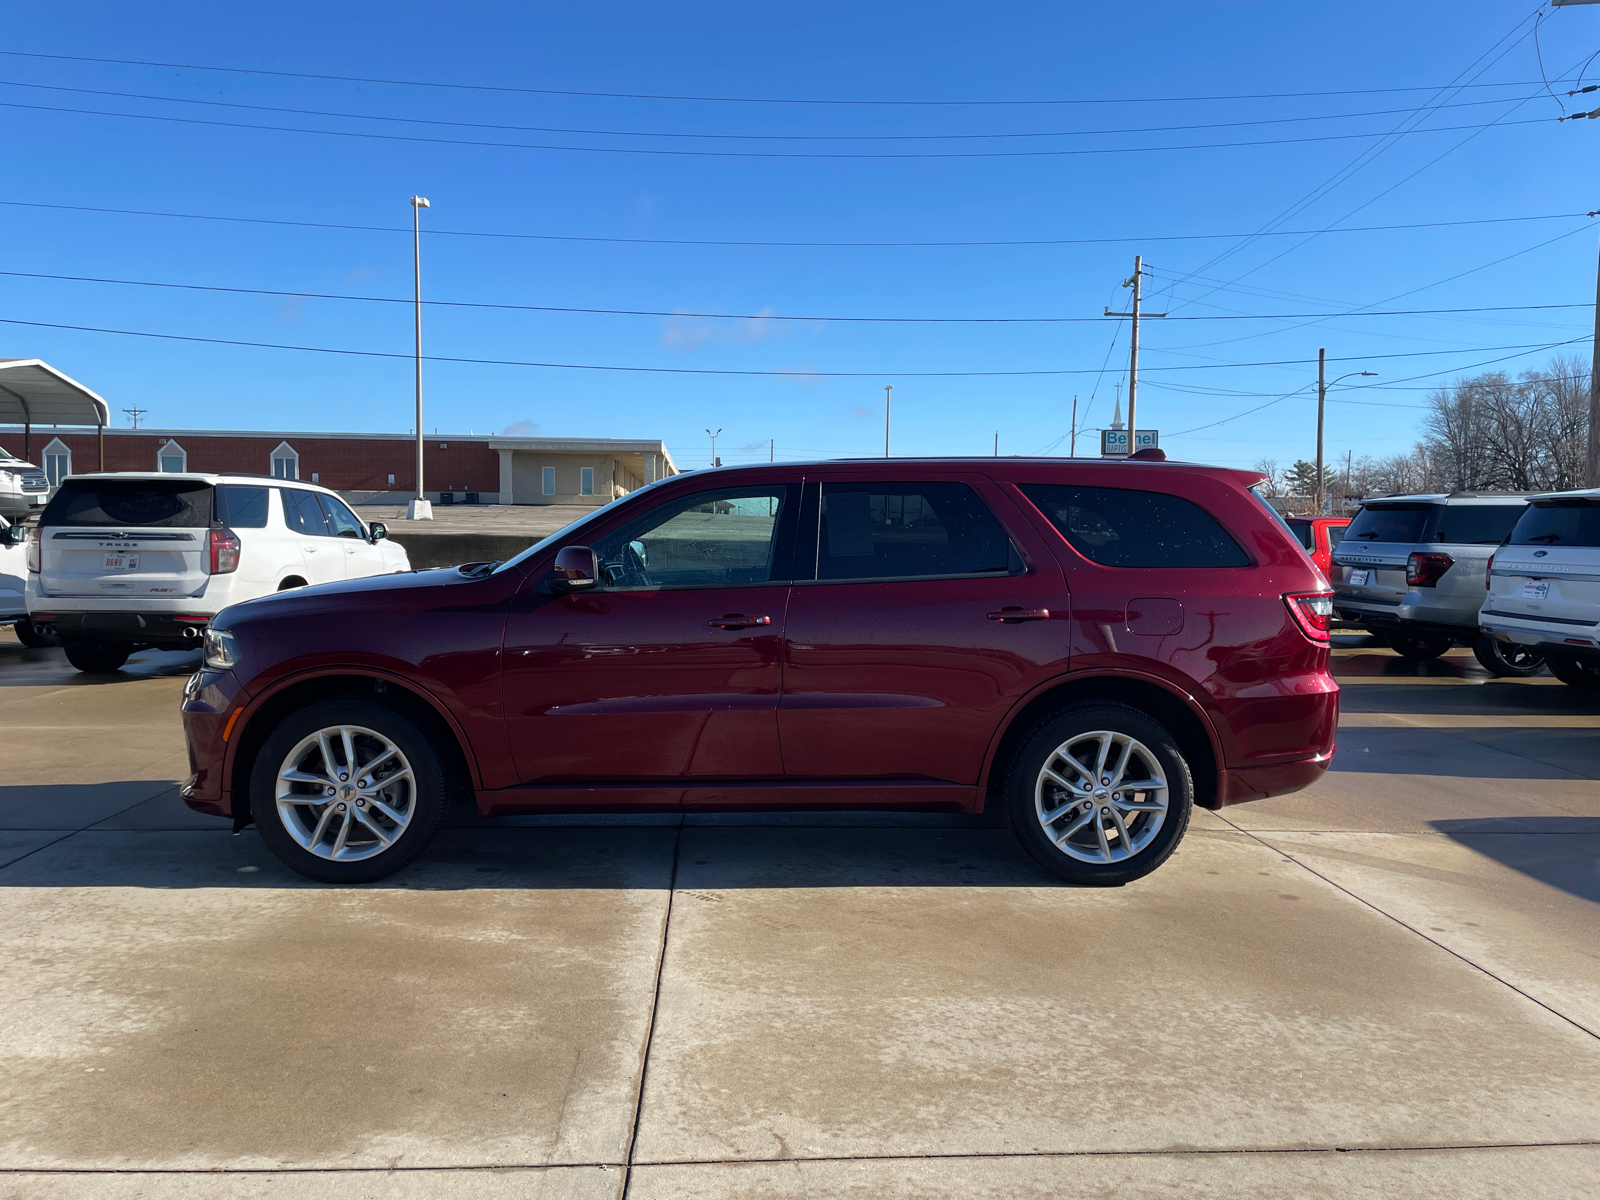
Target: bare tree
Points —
{"points": [[1271, 485]]}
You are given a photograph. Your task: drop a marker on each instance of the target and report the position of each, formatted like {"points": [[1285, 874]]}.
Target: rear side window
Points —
{"points": [[242, 507], [907, 530], [303, 514], [1476, 524], [1390, 523], [1558, 523], [1122, 527], [131, 504], [1303, 530]]}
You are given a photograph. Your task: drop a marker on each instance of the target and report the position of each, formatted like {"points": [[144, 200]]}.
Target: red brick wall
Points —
{"points": [[344, 464]]}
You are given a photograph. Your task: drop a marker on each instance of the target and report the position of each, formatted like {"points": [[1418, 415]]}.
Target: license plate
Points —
{"points": [[1359, 578], [122, 562], [1536, 589]]}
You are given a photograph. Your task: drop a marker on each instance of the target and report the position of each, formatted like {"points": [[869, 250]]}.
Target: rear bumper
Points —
{"points": [[1569, 639], [1405, 616], [169, 630], [1236, 785]]}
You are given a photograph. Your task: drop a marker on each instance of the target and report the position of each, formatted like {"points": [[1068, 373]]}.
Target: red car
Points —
{"points": [[1093, 647], [1319, 535]]}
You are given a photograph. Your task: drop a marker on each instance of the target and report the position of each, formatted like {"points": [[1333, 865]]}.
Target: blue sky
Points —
{"points": [[1122, 68]]}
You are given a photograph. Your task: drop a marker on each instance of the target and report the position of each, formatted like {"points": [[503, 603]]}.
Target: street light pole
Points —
{"points": [[1324, 501], [419, 509], [887, 388], [713, 437]]}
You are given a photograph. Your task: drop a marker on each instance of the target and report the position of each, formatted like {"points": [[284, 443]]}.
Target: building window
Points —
{"points": [[172, 458], [588, 481], [57, 462], [549, 481], [391, 481], [285, 462]]}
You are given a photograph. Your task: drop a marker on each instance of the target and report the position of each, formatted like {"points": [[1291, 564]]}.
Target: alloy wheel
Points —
{"points": [[346, 793], [1101, 796]]}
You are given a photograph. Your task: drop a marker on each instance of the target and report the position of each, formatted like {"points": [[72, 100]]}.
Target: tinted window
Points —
{"points": [[903, 530], [341, 520], [1476, 524], [705, 539], [303, 514], [242, 507], [1121, 527], [1558, 523], [1302, 530], [1390, 523], [1335, 535], [131, 504]]}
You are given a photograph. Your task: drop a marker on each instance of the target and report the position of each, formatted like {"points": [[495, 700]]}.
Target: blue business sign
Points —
{"points": [[1114, 442]]}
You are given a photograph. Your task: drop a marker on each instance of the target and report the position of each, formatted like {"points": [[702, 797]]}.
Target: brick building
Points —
{"points": [[369, 468]]}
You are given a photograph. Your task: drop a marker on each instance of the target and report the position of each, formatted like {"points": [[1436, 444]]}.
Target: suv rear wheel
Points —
{"points": [[348, 791], [1421, 646], [1502, 658], [1099, 794], [1575, 672], [98, 658]]}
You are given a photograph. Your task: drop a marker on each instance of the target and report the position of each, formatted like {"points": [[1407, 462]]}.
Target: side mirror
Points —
{"points": [[378, 530], [577, 569], [15, 535]]}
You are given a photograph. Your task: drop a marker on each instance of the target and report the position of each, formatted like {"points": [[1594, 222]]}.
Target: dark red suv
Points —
{"points": [[1093, 647]]}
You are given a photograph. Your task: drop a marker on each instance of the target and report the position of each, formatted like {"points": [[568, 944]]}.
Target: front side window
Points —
{"points": [[1125, 527], [706, 539], [341, 521], [549, 479], [1558, 523], [907, 530], [303, 514], [587, 487]]}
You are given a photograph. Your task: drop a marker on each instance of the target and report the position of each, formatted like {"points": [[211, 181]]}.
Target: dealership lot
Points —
{"points": [[1389, 984]]}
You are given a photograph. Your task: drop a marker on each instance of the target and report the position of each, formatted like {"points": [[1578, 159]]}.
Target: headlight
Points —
{"points": [[222, 650]]}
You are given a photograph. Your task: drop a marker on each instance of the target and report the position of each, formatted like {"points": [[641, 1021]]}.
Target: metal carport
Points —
{"points": [[33, 392]]}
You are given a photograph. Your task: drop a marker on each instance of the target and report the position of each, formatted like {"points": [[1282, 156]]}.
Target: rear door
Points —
{"points": [[136, 538], [361, 557], [321, 554]]}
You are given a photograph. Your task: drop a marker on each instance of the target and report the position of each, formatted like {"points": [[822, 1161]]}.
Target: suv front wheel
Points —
{"points": [[1099, 794], [348, 791]]}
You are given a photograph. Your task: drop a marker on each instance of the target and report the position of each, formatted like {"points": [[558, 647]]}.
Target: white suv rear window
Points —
{"points": [[131, 504]]}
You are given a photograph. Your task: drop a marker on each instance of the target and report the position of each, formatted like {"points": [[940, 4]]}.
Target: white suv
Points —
{"points": [[125, 560], [1544, 585]]}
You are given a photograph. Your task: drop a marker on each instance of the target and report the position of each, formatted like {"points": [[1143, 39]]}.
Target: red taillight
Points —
{"points": [[1425, 570], [224, 551], [1313, 612], [1488, 575]]}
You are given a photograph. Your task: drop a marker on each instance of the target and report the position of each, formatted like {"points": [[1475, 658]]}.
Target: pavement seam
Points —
{"points": [[1457, 955], [976, 1155], [85, 829], [655, 1006]]}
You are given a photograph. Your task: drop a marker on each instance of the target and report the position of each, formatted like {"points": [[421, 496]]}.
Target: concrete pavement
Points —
{"points": [[1386, 985]]}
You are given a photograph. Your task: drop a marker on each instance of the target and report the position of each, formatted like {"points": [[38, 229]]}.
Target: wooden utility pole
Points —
{"points": [[1322, 397], [1072, 451], [1133, 351], [1591, 473]]}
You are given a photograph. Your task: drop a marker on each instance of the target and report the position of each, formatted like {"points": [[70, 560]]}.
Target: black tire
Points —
{"points": [[1021, 793], [1418, 646], [98, 658], [28, 634], [1574, 671], [1505, 659], [289, 584], [425, 807]]}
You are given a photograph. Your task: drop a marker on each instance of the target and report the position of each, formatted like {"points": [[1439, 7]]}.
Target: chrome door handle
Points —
{"points": [[1013, 612], [737, 621]]}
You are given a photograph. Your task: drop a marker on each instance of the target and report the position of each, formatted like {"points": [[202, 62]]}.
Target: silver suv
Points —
{"points": [[23, 488], [1411, 570]]}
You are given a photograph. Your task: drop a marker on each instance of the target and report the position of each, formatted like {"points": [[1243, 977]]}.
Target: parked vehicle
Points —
{"points": [[1411, 570], [23, 487], [1544, 586], [1319, 536], [122, 561], [1091, 647], [13, 584]]}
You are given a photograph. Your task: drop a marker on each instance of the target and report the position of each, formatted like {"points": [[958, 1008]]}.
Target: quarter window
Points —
{"points": [[908, 530], [1125, 527], [241, 507], [707, 539]]}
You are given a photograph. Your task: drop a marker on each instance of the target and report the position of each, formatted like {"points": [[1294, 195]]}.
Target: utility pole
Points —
{"points": [[1133, 281], [136, 413], [419, 509], [1322, 398], [1072, 446], [1591, 473], [887, 388], [997, 443], [772, 450]]}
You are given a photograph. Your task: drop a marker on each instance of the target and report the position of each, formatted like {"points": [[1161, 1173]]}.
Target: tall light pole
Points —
{"points": [[714, 437], [419, 509], [1323, 501], [887, 388]]}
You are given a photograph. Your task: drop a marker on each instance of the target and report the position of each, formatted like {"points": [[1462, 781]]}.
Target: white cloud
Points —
{"points": [[521, 429], [686, 333]]}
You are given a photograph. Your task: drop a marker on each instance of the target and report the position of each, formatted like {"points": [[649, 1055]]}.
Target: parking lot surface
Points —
{"points": [[1387, 985]]}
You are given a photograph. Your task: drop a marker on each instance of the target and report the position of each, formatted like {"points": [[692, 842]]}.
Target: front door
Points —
{"points": [[361, 556], [925, 621], [308, 525], [672, 667]]}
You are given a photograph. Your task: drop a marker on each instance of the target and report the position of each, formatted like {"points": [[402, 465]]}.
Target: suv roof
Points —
{"points": [[209, 477], [1446, 498]]}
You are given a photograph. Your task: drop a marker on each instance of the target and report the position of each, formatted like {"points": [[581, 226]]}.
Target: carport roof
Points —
{"points": [[34, 392]]}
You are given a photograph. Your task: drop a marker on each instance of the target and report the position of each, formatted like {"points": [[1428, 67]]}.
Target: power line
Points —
{"points": [[759, 316], [484, 87], [629, 241], [772, 154], [789, 374]]}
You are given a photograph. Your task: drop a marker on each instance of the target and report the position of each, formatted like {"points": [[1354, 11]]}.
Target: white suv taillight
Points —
{"points": [[1488, 575], [1313, 612], [34, 551], [224, 551]]}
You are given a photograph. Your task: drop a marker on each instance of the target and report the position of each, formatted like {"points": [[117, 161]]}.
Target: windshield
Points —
{"points": [[566, 531], [1389, 523], [1569, 522]]}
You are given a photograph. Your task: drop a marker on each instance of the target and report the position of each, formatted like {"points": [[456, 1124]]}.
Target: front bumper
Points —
{"points": [[212, 701], [167, 630]]}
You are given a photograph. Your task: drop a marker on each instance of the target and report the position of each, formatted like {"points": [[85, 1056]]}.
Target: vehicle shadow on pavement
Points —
{"points": [[1496, 698], [48, 667], [1563, 852], [1520, 753]]}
